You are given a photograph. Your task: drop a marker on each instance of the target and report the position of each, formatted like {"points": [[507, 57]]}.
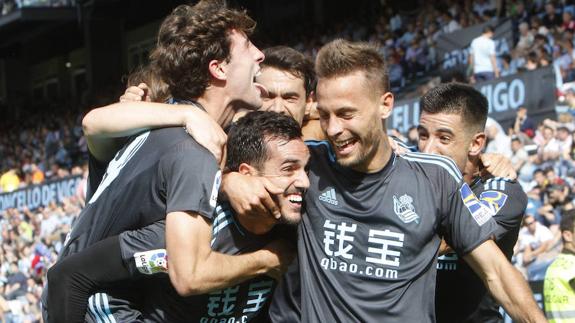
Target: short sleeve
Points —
{"points": [[507, 201], [492, 48], [190, 179], [466, 222]]}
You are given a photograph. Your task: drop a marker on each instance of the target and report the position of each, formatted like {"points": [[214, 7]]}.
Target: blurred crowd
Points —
{"points": [[8, 6], [40, 149], [46, 147]]}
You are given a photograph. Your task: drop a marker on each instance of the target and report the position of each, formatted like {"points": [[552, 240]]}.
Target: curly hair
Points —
{"points": [[192, 36]]}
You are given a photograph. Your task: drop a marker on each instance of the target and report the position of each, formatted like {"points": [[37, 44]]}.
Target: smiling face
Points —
{"points": [[351, 117], [444, 134], [242, 69], [285, 93], [286, 168]]}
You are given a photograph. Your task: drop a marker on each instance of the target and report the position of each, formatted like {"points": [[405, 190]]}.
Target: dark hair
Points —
{"points": [[158, 89], [567, 220], [248, 137], [457, 98], [488, 29], [290, 60], [341, 57], [192, 36]]}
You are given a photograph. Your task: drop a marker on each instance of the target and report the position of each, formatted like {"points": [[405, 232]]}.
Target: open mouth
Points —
{"points": [[295, 199], [344, 147]]}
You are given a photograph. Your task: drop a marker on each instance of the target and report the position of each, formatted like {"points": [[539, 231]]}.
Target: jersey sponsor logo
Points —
{"points": [[152, 261], [216, 189], [225, 305], [404, 209], [382, 259], [329, 197], [447, 262], [493, 200], [480, 212]]}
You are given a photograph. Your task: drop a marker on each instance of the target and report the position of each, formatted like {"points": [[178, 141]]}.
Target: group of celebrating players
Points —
{"points": [[302, 211]]}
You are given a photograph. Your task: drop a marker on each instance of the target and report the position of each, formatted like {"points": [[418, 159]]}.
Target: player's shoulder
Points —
{"points": [[179, 142], [432, 165], [501, 184], [321, 149]]}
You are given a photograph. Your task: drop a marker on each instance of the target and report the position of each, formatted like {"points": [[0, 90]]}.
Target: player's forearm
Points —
{"points": [[128, 118], [511, 291], [218, 271]]}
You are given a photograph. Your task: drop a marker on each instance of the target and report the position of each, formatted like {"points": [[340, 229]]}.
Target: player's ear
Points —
{"points": [[477, 144], [217, 69], [246, 169], [310, 104], [567, 236], [385, 105]]}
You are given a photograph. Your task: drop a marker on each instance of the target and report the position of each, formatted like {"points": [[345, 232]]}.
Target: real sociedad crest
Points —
{"points": [[404, 209]]}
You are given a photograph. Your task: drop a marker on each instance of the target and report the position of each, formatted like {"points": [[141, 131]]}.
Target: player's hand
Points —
{"points": [[282, 253], [444, 248], [136, 93], [207, 132], [397, 149], [251, 195], [497, 165]]}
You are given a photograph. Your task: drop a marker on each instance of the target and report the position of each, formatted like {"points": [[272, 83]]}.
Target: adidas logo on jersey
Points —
{"points": [[329, 197]]}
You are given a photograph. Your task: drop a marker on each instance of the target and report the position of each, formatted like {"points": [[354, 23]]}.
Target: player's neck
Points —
{"points": [[218, 106], [257, 224], [380, 157], [471, 170]]}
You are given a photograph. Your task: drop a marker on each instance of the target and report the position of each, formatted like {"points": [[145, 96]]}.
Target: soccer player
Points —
{"points": [[373, 221], [559, 284], [451, 124], [206, 58], [261, 143]]}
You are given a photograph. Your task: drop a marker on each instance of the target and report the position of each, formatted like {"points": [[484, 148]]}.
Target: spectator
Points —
{"points": [[9, 181], [568, 22], [483, 7], [450, 24], [506, 67], [526, 38], [520, 159], [551, 19], [482, 56], [559, 285], [534, 240], [498, 141], [532, 62], [524, 124]]}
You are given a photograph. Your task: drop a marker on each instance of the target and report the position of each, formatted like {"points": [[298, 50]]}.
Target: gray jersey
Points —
{"points": [[155, 173], [368, 243], [473, 303], [244, 302]]}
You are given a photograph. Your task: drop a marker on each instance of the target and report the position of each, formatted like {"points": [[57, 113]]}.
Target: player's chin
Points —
{"points": [[291, 217]]}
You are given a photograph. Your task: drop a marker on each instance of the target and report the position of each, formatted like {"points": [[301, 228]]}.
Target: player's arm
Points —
{"points": [[504, 282], [104, 126], [494, 64], [194, 268]]}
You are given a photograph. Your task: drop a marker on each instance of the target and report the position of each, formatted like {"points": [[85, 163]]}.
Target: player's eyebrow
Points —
{"points": [[291, 161], [446, 130]]}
